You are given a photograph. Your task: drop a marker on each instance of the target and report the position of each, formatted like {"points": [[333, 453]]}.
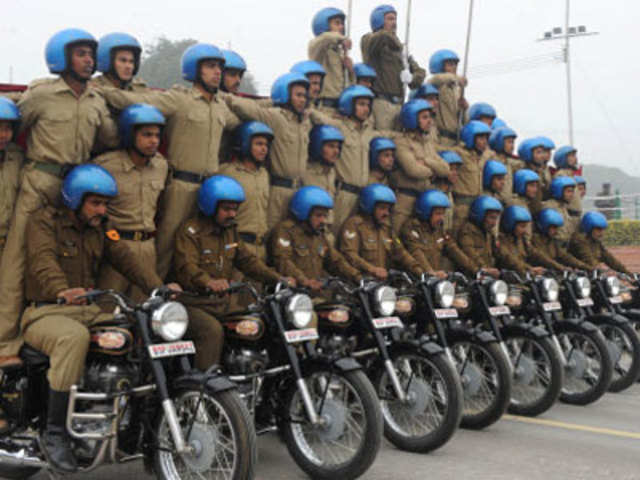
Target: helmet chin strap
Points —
{"points": [[207, 88], [76, 77], [114, 74]]}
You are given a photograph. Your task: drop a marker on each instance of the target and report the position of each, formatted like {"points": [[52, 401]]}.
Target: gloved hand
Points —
{"points": [[405, 76]]}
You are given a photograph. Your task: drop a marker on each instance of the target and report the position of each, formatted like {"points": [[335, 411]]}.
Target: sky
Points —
{"points": [[272, 35]]}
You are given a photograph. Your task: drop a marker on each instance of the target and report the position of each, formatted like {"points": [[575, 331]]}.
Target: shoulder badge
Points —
{"points": [[113, 235], [440, 240], [191, 230], [415, 234], [229, 246], [284, 242], [349, 235]]}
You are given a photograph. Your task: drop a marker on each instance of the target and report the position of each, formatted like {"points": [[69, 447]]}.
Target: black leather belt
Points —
{"points": [[409, 192], [328, 102], [189, 176], [55, 169], [347, 187], [396, 100], [284, 182], [136, 236], [42, 304], [448, 134], [251, 238]]}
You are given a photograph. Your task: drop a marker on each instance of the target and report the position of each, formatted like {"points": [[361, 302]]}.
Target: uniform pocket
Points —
{"points": [[301, 251]]}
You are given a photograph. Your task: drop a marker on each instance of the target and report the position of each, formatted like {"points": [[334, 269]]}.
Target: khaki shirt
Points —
{"points": [[545, 179], [383, 51], [301, 253], [321, 175], [367, 246], [327, 50], [548, 253], [470, 172], [135, 206], [64, 127], [450, 92], [252, 213], [570, 225], [428, 246], [62, 253], [194, 125], [374, 178], [11, 161], [593, 252], [518, 249], [290, 147], [135, 85], [483, 249], [418, 162]]}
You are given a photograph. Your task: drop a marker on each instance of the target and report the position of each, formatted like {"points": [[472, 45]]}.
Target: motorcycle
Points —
{"points": [[323, 407], [420, 393], [139, 398]]}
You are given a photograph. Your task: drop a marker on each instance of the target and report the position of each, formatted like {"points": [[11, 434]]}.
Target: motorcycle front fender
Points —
{"points": [[608, 318], [585, 324], [632, 314], [464, 335], [523, 329], [216, 381], [344, 364]]}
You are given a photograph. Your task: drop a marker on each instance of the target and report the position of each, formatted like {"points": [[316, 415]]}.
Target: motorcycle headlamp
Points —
{"points": [[385, 300], [612, 285], [583, 287], [299, 310], [170, 321], [498, 292], [445, 293], [550, 290]]}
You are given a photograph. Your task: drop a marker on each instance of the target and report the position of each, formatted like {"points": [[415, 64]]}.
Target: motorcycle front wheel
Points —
{"points": [[624, 349], [218, 428]]}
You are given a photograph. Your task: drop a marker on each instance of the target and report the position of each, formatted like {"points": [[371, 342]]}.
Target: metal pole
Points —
{"points": [[465, 62], [406, 48], [347, 34], [567, 61]]}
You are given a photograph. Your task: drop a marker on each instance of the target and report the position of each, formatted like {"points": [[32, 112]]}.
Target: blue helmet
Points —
{"points": [[349, 95], [377, 145], [362, 70], [321, 134], [86, 179], [451, 157], [281, 88], [309, 67], [481, 206], [245, 133], [549, 217], [591, 220], [560, 157], [512, 215], [521, 178], [320, 22], [134, 115], [233, 60], [497, 137], [56, 53], [376, 20], [482, 109], [558, 185], [308, 198], [546, 143], [195, 54], [492, 168], [216, 189], [498, 123], [526, 147], [580, 180], [110, 43], [411, 110], [425, 90], [375, 193], [471, 130], [429, 200], [9, 112], [436, 62]]}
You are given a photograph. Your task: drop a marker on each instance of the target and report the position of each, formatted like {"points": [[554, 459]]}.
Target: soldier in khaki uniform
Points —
{"points": [[65, 117], [431, 94], [418, 160], [299, 245], [566, 160], [494, 179], [208, 248], [513, 239], [329, 48], [291, 126], [562, 192], [586, 244], [196, 119], [526, 184], [446, 183], [383, 50], [118, 59], [502, 142], [547, 251], [474, 152], [141, 173], [64, 249], [316, 74], [382, 160], [366, 239], [533, 154], [443, 67], [428, 242]]}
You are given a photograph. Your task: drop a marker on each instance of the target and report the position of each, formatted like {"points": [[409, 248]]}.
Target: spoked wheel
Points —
{"points": [[346, 441], [537, 374], [431, 413], [220, 433], [587, 373], [624, 349], [486, 382]]}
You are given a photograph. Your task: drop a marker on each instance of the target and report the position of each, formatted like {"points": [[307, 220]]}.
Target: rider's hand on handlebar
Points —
{"points": [[493, 272], [313, 284], [380, 273], [69, 296], [439, 274], [538, 270], [289, 281], [174, 287], [218, 285]]}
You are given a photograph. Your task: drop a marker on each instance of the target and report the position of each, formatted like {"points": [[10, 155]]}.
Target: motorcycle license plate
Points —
{"points": [[387, 322], [444, 313], [552, 306], [585, 302], [615, 300], [304, 335], [174, 349], [502, 310]]}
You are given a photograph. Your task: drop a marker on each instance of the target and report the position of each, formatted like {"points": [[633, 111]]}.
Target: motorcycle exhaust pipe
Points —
{"points": [[21, 459]]}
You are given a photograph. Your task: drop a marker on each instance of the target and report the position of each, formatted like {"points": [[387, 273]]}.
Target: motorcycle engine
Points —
{"points": [[109, 377], [245, 361]]}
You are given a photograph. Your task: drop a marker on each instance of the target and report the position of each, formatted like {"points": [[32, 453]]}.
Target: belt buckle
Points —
{"points": [[137, 236]]}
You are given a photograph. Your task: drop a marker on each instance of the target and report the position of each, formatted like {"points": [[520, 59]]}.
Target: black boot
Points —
{"points": [[55, 439]]}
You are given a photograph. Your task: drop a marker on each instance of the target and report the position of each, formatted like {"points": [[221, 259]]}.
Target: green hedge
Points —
{"points": [[623, 232]]}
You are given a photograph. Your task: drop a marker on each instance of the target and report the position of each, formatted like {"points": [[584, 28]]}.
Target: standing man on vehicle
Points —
{"points": [[119, 61]]}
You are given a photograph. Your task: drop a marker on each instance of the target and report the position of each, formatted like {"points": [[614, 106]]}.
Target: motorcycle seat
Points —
{"points": [[32, 357]]}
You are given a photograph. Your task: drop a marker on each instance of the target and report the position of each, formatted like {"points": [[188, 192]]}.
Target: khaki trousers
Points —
{"points": [[207, 335]]}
